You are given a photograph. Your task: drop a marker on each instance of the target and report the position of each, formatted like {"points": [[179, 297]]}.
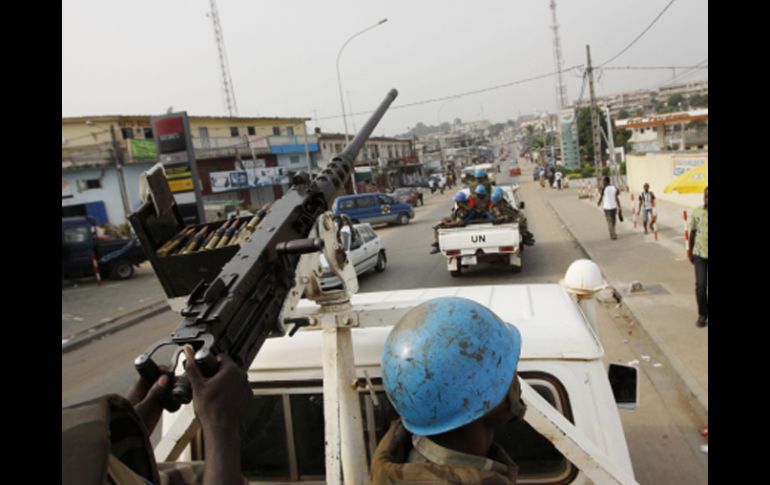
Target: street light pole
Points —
{"points": [[339, 86]]}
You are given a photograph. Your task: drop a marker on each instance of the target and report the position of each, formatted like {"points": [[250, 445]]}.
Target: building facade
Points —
{"points": [[686, 130], [384, 162], [99, 151]]}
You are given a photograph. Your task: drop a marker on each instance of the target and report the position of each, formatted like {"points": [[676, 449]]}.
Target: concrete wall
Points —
{"points": [[658, 170]]}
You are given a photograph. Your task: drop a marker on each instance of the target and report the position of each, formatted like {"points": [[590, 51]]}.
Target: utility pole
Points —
{"points": [[595, 121], [119, 168]]}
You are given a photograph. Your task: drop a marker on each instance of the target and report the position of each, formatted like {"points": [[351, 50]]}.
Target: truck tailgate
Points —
{"points": [[487, 237]]}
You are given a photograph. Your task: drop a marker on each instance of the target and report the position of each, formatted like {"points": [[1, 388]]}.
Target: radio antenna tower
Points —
{"points": [[228, 93], [561, 89]]}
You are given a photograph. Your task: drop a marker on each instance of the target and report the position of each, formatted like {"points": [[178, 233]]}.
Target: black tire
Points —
{"points": [[403, 219], [382, 262], [121, 270]]}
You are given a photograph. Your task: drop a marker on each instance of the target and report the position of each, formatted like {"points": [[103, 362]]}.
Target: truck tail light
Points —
{"points": [[453, 252], [506, 249]]}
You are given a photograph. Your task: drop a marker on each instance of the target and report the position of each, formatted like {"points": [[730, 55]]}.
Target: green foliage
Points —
{"points": [[699, 101], [675, 99], [585, 134]]}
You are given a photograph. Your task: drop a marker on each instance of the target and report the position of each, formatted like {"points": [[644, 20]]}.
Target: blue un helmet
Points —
{"points": [[481, 190], [448, 362], [480, 173], [497, 194], [460, 196]]}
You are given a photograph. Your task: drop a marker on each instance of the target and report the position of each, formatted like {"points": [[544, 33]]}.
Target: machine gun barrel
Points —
{"points": [[240, 308]]}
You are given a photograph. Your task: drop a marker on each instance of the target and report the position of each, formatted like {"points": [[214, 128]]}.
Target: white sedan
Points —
{"points": [[365, 250]]}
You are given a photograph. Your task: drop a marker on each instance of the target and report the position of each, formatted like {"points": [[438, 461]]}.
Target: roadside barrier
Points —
{"points": [[96, 268], [686, 232]]}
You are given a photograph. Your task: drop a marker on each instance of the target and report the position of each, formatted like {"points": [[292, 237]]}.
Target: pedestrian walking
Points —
{"points": [[558, 180], [646, 199], [611, 199], [698, 254]]}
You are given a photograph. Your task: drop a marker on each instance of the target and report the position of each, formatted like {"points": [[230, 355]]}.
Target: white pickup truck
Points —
{"points": [[483, 242], [319, 408]]}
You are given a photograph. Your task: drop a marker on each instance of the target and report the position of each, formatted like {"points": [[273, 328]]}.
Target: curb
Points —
{"points": [[682, 378], [115, 325]]}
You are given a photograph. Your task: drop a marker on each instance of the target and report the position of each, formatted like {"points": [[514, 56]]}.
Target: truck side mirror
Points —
{"points": [[624, 381], [521, 205]]}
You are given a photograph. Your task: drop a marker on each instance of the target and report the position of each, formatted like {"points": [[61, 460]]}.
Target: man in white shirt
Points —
{"points": [[610, 197], [558, 180]]}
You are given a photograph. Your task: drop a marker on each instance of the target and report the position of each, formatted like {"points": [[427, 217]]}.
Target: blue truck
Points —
{"points": [[116, 257]]}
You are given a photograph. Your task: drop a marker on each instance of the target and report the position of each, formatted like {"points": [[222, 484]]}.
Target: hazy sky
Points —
{"points": [[141, 57]]}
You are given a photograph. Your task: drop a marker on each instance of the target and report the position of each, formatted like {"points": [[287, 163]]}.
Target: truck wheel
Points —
{"points": [[515, 269], [382, 262], [403, 219], [121, 270]]}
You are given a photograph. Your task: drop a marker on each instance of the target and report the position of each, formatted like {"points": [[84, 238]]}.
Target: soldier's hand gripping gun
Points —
{"points": [[240, 308]]}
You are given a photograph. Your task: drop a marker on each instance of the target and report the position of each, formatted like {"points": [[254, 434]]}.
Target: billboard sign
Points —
{"points": [[252, 178], [570, 149], [175, 151]]}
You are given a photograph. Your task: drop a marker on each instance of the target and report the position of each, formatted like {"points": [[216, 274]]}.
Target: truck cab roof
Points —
{"points": [[551, 325]]}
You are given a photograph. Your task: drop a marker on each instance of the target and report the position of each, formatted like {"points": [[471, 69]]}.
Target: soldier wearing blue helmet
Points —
{"points": [[449, 369], [459, 217], [503, 212], [481, 203]]}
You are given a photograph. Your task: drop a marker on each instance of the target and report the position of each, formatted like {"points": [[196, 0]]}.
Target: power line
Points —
{"points": [[689, 72], [640, 35], [613, 68], [460, 95]]}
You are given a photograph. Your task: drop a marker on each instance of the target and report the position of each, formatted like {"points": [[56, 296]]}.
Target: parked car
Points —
{"points": [[408, 195], [79, 245], [364, 249], [373, 208]]}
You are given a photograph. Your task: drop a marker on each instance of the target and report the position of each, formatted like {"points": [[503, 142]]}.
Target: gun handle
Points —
{"points": [[150, 372], [208, 366]]}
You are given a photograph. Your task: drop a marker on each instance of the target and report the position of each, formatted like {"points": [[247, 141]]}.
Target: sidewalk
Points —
{"points": [[666, 310]]}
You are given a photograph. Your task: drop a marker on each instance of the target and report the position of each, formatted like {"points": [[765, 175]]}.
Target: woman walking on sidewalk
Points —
{"points": [[610, 196]]}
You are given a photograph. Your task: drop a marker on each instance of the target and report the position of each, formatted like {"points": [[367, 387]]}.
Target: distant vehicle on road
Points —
{"points": [[364, 249], [514, 170], [408, 195], [374, 208], [116, 257]]}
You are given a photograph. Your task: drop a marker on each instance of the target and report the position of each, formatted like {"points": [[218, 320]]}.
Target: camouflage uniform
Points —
{"points": [[104, 441], [458, 219], [504, 212], [402, 458]]}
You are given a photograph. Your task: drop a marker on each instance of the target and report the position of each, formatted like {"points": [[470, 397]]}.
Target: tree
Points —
{"points": [[623, 114], [699, 101], [585, 134], [675, 100]]}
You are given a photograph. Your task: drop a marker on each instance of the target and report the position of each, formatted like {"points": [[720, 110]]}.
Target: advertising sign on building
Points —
{"points": [[175, 151], [570, 149], [683, 164], [248, 179]]}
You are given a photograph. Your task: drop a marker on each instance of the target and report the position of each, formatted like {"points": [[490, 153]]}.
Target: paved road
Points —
{"points": [[662, 433]]}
